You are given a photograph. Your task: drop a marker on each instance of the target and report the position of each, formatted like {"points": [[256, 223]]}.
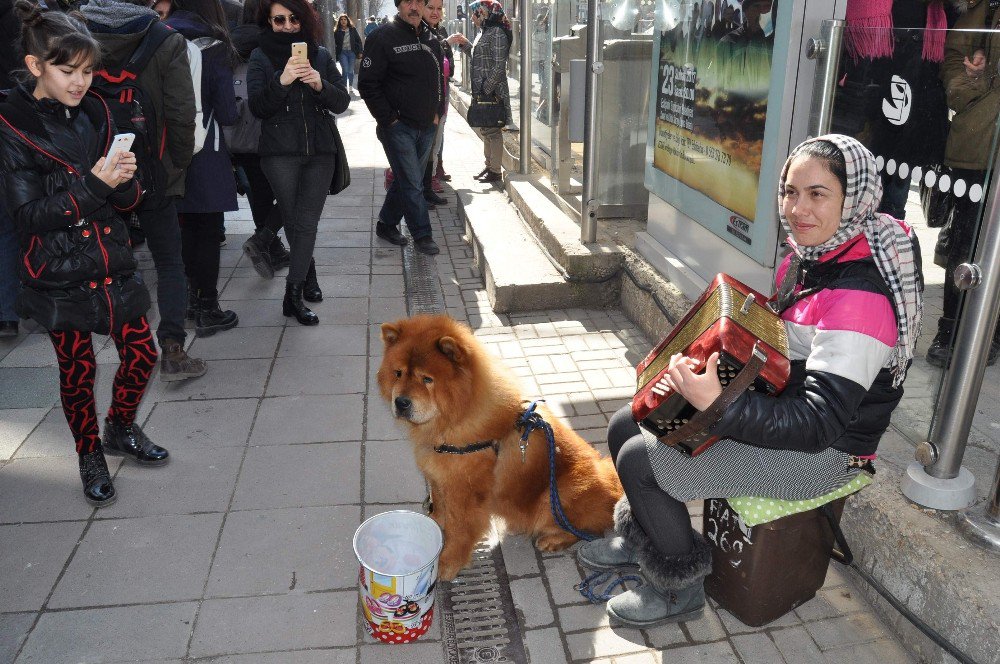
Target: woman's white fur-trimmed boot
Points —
{"points": [[673, 590]]}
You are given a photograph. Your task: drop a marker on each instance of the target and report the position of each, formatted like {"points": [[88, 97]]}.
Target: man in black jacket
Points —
{"points": [[401, 83]]}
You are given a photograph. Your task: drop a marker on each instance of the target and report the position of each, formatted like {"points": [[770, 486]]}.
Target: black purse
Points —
{"points": [[486, 112], [342, 173]]}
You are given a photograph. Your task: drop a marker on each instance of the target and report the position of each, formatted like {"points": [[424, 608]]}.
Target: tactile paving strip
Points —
{"points": [[423, 286]]}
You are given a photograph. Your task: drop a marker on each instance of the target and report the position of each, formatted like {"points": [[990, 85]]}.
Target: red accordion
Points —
{"points": [[734, 320]]}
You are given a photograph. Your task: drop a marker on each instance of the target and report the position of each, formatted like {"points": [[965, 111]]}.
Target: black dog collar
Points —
{"points": [[468, 449]]}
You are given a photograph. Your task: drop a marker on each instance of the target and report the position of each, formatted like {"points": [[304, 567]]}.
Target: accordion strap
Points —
{"points": [[701, 420]]}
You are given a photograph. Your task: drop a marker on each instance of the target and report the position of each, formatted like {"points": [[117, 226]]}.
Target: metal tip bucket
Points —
{"points": [[398, 552]]}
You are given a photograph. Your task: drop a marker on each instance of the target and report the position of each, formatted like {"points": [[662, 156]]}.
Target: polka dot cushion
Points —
{"points": [[755, 511]]}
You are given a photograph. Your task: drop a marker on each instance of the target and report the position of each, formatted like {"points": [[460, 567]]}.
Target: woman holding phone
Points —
{"points": [[295, 96], [62, 190]]}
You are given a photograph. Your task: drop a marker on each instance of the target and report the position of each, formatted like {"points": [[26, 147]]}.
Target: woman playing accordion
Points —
{"points": [[851, 307]]}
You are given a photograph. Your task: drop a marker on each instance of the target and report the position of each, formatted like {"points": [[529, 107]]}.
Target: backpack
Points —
{"points": [[201, 124], [243, 136], [132, 108]]}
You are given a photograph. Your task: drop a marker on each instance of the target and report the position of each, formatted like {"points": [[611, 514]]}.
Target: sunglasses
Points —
{"points": [[279, 20]]}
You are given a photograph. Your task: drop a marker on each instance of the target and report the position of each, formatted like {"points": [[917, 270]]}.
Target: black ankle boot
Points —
{"points": [[131, 442], [280, 258], [192, 304], [293, 306], [939, 352], [210, 318], [258, 250], [310, 289], [98, 489]]}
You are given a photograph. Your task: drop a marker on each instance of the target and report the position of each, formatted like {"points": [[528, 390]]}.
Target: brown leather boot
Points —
{"points": [[176, 364]]}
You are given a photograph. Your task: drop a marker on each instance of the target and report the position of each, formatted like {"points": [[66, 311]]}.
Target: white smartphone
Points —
{"points": [[120, 143], [300, 51]]}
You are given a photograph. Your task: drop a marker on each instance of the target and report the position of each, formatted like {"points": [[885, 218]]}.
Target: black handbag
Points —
{"points": [[486, 112], [342, 173]]}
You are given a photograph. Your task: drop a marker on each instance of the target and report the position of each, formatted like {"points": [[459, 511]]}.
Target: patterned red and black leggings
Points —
{"points": [[78, 367]]}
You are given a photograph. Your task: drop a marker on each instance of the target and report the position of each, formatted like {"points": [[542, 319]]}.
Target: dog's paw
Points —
{"points": [[448, 571], [554, 541]]}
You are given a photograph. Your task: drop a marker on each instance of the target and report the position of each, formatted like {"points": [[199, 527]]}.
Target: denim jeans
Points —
{"points": [[301, 185], [347, 59], [10, 284], [163, 237], [408, 150]]}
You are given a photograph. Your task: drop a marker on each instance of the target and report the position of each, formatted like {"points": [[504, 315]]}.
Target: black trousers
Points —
{"points": [[158, 220], [664, 519], [201, 233], [263, 207]]}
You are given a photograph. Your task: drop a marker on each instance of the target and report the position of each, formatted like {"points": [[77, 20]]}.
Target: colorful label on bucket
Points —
{"points": [[392, 631], [397, 609]]}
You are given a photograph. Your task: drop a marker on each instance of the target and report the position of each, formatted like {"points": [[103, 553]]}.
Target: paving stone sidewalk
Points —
{"points": [[239, 550]]}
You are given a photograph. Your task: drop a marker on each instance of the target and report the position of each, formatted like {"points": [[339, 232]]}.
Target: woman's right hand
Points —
{"points": [[458, 39]]}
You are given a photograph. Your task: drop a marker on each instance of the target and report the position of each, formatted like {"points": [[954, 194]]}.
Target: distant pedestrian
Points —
{"points": [[348, 43], [489, 74], [434, 171], [370, 26], [77, 266], [210, 188], [296, 100], [401, 83]]}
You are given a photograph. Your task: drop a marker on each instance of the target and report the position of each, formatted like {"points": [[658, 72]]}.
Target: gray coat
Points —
{"points": [[489, 65]]}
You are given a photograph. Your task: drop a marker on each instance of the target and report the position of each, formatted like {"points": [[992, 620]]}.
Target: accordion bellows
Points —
{"points": [[731, 318]]}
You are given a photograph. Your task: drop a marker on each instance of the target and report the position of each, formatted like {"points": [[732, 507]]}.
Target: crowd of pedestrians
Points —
{"points": [[202, 100]]}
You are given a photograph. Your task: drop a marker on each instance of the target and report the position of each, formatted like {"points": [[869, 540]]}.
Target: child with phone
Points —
{"points": [[62, 183]]}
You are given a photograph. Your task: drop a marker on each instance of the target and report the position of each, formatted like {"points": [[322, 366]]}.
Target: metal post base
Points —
{"points": [[928, 491], [979, 527]]}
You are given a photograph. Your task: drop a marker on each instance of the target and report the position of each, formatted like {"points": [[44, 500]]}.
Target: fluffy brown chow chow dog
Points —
{"points": [[442, 382]]}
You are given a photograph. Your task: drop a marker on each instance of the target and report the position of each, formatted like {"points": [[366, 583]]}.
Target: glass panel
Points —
{"points": [[541, 75], [935, 162]]}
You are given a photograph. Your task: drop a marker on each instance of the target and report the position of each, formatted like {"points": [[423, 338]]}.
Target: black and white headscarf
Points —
{"points": [[892, 243]]}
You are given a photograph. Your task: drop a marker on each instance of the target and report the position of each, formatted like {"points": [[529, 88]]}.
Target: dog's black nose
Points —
{"points": [[403, 405]]}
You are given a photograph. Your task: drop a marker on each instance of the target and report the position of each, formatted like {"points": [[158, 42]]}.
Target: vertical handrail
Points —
{"points": [[829, 55], [588, 213], [466, 61], [524, 165], [963, 381]]}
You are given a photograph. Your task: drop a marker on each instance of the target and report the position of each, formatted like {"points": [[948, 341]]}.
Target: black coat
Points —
{"points": [[338, 38], [295, 119], [76, 262], [401, 76]]}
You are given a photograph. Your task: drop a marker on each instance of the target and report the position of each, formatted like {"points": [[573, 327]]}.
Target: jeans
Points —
{"points": [[200, 236], [347, 59], [163, 237], [301, 185], [408, 150], [263, 209], [10, 284]]}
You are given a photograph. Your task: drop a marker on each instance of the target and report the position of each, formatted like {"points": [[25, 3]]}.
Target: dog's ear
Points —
{"points": [[451, 349], [390, 334]]}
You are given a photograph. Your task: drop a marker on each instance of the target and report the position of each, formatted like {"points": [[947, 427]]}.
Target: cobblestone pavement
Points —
{"points": [[239, 550]]}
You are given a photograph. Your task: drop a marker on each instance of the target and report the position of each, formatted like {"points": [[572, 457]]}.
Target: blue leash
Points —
{"points": [[529, 421], [589, 586]]}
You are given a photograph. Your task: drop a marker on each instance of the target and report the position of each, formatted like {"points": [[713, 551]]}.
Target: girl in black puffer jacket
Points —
{"points": [[77, 266], [295, 101]]}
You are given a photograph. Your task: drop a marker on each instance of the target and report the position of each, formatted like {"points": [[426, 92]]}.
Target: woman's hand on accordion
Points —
{"points": [[698, 389]]}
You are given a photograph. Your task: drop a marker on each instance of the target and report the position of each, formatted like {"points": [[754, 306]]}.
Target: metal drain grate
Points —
{"points": [[479, 622], [423, 286]]}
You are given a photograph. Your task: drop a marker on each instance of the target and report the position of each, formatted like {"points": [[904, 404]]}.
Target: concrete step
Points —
{"points": [[560, 235], [519, 275]]}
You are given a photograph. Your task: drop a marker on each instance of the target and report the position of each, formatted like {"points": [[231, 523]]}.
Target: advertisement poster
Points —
{"points": [[711, 98]]}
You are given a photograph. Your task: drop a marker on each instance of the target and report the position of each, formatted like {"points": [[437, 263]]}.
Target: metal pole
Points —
{"points": [[829, 55], [525, 92], [982, 526], [588, 216], [466, 61]]}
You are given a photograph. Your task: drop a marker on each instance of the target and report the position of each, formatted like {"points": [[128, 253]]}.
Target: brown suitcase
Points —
{"points": [[761, 573]]}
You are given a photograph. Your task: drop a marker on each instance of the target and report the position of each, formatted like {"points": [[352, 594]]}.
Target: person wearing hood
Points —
{"points": [[210, 187], [850, 295], [120, 27]]}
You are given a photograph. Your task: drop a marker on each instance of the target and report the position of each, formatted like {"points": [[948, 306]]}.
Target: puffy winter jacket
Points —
{"points": [[841, 338], [77, 265], [295, 118]]}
